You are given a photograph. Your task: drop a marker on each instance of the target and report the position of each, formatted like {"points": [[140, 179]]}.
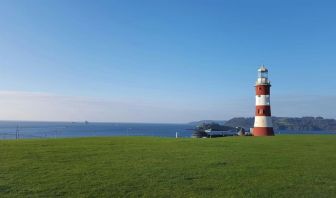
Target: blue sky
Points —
{"points": [[164, 61]]}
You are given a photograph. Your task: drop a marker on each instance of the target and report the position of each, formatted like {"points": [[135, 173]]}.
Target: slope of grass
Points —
{"points": [[280, 166]]}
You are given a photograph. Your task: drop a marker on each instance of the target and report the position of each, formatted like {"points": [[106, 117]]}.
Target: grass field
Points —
{"points": [[280, 166]]}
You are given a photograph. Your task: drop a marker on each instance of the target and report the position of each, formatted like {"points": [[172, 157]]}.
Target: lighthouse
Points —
{"points": [[263, 121]]}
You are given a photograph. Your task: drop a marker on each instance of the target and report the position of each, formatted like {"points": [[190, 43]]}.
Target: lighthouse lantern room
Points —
{"points": [[263, 120]]}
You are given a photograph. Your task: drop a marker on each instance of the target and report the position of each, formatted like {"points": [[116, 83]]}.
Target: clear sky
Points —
{"points": [[166, 60]]}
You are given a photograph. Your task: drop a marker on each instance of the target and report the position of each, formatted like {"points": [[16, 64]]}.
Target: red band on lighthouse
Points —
{"points": [[262, 131], [263, 89], [263, 121], [263, 111]]}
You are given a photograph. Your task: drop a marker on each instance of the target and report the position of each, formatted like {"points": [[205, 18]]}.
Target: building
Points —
{"points": [[263, 120]]}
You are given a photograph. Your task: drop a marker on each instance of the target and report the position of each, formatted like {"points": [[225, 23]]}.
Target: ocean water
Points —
{"points": [[10, 129], [13, 129], [306, 132]]}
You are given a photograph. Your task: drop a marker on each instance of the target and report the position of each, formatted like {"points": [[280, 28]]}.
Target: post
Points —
{"points": [[17, 132]]}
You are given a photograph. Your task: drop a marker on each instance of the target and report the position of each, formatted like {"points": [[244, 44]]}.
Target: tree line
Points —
{"points": [[286, 123]]}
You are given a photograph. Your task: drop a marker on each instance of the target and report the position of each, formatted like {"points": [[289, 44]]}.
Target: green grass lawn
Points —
{"points": [[280, 166]]}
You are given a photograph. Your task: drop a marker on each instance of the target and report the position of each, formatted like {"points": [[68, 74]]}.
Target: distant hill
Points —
{"points": [[286, 123], [196, 123]]}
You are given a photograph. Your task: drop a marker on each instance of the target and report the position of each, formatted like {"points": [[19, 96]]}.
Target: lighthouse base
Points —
{"points": [[263, 131]]}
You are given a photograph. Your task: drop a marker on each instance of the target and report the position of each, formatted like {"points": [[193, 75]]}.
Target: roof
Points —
{"points": [[262, 69]]}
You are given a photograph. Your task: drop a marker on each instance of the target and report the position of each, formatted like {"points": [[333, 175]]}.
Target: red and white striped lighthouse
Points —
{"points": [[263, 121]]}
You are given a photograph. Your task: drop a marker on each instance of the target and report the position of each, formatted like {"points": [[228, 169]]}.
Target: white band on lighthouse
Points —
{"points": [[263, 121], [263, 100]]}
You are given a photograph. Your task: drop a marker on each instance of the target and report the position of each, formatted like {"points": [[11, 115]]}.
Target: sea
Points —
{"points": [[24, 130]]}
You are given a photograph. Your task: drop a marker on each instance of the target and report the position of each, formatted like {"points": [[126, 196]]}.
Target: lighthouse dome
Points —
{"points": [[263, 76], [262, 69]]}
